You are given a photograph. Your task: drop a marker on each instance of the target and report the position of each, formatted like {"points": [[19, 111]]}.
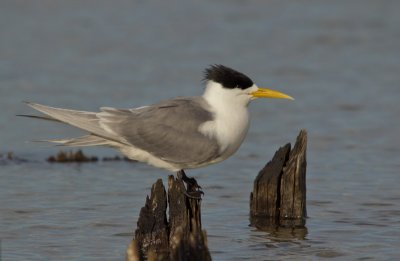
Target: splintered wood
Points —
{"points": [[279, 195], [180, 237]]}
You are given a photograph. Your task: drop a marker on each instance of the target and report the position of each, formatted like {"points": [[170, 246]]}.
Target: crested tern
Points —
{"points": [[176, 134]]}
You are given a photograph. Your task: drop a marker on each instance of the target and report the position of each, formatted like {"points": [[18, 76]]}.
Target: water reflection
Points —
{"points": [[278, 233]]}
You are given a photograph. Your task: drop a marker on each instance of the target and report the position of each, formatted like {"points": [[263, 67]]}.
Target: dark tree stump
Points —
{"points": [[279, 194], [179, 238], [152, 227]]}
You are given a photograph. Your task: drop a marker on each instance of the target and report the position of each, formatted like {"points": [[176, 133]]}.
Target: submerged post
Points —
{"points": [[279, 194], [177, 237]]}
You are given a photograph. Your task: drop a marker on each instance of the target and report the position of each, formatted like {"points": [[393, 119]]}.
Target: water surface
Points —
{"points": [[339, 59]]}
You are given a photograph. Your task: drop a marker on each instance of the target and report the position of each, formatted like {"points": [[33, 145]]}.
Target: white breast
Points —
{"points": [[231, 121]]}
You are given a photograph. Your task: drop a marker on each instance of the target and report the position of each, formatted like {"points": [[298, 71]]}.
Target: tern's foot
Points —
{"points": [[193, 189]]}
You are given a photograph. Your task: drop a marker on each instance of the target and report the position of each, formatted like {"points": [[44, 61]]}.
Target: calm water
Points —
{"points": [[339, 59]]}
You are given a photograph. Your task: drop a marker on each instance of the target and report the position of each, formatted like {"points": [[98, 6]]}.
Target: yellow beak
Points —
{"points": [[267, 93]]}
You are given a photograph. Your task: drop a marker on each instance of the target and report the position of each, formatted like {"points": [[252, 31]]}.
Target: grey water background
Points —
{"points": [[339, 59]]}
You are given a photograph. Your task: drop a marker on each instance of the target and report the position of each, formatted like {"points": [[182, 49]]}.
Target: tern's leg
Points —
{"points": [[189, 181], [193, 189]]}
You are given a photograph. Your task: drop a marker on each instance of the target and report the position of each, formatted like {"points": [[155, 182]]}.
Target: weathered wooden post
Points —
{"points": [[178, 238], [279, 195], [278, 200]]}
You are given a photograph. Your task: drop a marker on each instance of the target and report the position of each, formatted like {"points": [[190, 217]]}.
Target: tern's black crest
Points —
{"points": [[227, 77]]}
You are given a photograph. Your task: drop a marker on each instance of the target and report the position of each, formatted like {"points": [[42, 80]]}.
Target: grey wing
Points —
{"points": [[84, 120], [168, 130], [81, 119]]}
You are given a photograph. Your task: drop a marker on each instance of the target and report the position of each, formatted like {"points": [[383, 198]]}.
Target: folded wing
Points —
{"points": [[168, 130]]}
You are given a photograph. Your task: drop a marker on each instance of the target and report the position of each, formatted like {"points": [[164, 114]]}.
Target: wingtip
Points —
{"points": [[27, 115]]}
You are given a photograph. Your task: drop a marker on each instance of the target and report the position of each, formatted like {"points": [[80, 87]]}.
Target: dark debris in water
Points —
{"points": [[61, 157], [116, 158], [80, 157], [70, 156], [10, 157]]}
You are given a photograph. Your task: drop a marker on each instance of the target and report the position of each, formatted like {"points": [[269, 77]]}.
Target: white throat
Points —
{"points": [[231, 116]]}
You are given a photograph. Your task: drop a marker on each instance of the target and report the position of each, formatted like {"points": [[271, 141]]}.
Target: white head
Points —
{"points": [[225, 85]]}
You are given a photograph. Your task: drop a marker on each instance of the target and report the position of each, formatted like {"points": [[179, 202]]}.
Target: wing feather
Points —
{"points": [[84, 120], [168, 130], [83, 141]]}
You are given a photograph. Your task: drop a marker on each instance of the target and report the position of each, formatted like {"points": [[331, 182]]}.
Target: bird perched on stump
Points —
{"points": [[176, 134]]}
